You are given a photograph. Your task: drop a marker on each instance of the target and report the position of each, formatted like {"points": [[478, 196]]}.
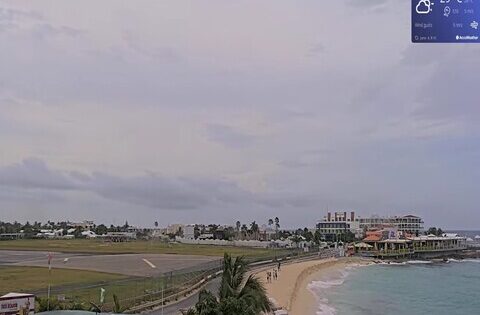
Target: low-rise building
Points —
{"points": [[17, 303], [389, 242], [335, 225], [120, 236], [175, 228], [189, 231], [409, 223], [85, 224], [89, 234]]}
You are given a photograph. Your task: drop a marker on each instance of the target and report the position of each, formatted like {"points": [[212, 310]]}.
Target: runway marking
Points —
{"points": [[149, 263]]}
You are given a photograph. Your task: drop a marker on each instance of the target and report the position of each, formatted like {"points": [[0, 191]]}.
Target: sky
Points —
{"points": [[218, 111]]}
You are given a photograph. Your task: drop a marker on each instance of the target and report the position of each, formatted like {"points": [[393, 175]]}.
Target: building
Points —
{"points": [[189, 232], [89, 234], [334, 226], [119, 236], [175, 229], [85, 224], [17, 303], [409, 223], [392, 243], [267, 233]]}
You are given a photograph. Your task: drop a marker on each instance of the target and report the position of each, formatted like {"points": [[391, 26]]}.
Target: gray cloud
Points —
{"points": [[367, 4], [151, 190], [228, 136], [224, 112], [43, 30], [317, 49], [34, 174]]}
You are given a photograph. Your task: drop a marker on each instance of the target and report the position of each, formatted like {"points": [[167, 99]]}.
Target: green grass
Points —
{"points": [[25, 279], [84, 286], [151, 247]]}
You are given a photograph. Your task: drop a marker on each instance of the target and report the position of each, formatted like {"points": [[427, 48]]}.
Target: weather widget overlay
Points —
{"points": [[445, 21]]}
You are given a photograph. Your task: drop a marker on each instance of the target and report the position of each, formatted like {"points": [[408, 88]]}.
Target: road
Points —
{"points": [[12, 256], [213, 286], [188, 302], [137, 265]]}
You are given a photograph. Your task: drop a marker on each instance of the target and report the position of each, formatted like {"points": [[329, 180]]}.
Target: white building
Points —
{"points": [[85, 224], [335, 225], [409, 223], [338, 223], [17, 303], [189, 232], [89, 234], [175, 228]]}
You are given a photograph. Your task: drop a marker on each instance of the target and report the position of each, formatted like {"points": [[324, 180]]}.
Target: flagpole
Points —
{"points": [[48, 297], [49, 279]]}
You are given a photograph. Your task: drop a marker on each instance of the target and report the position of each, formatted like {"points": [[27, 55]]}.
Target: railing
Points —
{"points": [[395, 252], [438, 248], [408, 251], [137, 292]]}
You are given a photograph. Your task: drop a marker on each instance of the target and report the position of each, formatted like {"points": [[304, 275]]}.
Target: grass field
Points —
{"points": [[28, 279], [84, 286], [152, 247]]}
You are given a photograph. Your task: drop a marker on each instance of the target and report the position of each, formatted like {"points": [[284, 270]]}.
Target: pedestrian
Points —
{"points": [[279, 265]]}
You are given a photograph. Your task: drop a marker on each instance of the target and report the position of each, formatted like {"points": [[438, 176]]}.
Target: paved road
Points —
{"points": [[140, 265], [213, 286], [188, 302], [14, 256]]}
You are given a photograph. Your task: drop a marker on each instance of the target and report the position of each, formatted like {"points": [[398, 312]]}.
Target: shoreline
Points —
{"points": [[291, 290]]}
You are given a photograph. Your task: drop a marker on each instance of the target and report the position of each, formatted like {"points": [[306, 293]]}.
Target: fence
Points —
{"points": [[165, 288]]}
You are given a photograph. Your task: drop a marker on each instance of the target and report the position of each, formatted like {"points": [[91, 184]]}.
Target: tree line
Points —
{"points": [[31, 229]]}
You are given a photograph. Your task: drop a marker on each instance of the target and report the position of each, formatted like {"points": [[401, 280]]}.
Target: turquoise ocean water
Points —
{"points": [[409, 288]]}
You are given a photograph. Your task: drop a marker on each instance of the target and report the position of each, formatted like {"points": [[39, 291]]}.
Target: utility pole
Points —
{"points": [[50, 255], [163, 302]]}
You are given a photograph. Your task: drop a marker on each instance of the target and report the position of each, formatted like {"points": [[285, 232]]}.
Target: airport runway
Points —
{"points": [[13, 256], [141, 265]]}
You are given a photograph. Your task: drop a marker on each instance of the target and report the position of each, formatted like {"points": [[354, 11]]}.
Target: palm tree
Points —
{"points": [[277, 226], [238, 225], [244, 229], [238, 294], [254, 229], [270, 222], [117, 307]]}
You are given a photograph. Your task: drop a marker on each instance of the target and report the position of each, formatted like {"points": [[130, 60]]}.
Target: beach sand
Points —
{"points": [[290, 290]]}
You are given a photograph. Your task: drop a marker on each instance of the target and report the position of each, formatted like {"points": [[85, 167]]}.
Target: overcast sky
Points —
{"points": [[213, 111]]}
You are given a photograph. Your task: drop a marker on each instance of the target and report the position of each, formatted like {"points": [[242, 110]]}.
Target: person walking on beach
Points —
{"points": [[279, 265]]}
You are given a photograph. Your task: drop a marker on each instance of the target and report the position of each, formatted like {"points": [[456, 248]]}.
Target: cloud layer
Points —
{"points": [[232, 110]]}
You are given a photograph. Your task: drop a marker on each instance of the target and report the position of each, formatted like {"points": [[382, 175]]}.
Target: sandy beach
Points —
{"points": [[290, 290]]}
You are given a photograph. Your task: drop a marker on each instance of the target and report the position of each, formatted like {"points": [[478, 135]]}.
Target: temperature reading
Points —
{"points": [[445, 21]]}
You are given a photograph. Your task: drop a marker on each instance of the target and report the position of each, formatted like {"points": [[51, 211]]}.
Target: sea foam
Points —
{"points": [[319, 287]]}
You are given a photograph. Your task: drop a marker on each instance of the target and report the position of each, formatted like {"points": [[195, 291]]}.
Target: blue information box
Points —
{"points": [[445, 21]]}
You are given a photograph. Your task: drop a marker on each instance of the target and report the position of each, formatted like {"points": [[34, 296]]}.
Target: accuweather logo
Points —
{"points": [[469, 37], [424, 6]]}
